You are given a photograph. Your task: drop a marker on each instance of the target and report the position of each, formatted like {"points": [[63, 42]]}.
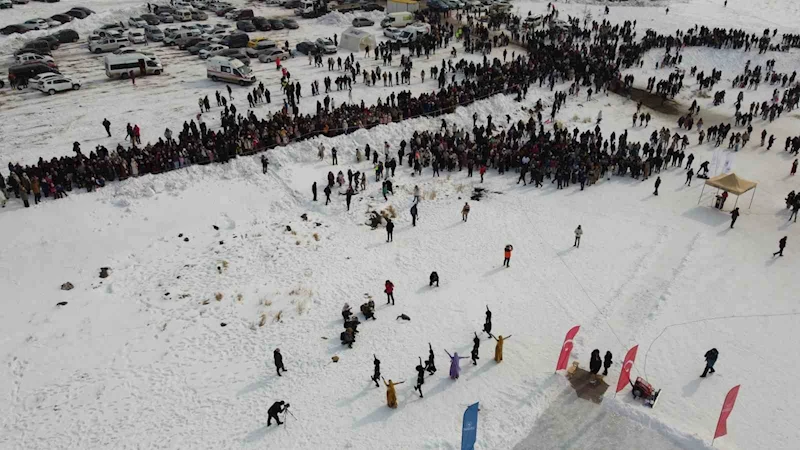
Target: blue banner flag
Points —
{"points": [[469, 429]]}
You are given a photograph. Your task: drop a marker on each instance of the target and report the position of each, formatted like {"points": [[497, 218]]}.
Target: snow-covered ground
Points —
{"points": [[141, 359]]}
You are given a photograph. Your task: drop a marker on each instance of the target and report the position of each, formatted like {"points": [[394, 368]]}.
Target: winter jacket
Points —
{"points": [[390, 227], [508, 250], [578, 232], [278, 358], [389, 287], [595, 363], [711, 357]]}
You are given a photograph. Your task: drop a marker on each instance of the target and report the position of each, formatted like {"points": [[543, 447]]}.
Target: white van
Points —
{"points": [[107, 44], [397, 19], [119, 66], [172, 38], [182, 15], [224, 68]]}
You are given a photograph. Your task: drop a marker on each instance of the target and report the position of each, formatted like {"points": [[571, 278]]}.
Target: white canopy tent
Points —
{"points": [[357, 40]]}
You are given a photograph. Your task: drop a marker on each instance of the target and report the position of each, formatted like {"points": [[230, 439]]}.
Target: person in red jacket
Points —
{"points": [[507, 255], [389, 292], [482, 171]]}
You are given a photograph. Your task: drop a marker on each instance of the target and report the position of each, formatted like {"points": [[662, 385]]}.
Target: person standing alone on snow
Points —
{"points": [[389, 230], [278, 361], [658, 183], [107, 126], [781, 246], [711, 359], [389, 289], [465, 212], [507, 255], [578, 234], [734, 216]]}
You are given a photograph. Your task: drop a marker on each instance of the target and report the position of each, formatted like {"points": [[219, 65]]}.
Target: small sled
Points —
{"points": [[642, 389]]}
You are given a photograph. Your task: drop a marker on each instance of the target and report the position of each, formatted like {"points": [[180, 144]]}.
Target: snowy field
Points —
{"points": [[141, 359]]}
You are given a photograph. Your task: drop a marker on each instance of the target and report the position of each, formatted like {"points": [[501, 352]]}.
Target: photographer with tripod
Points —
{"points": [[275, 409]]}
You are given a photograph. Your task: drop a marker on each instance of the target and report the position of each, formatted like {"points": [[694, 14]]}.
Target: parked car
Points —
{"points": [[107, 44], [276, 24], [261, 23], [245, 25], [77, 13], [254, 41], [211, 50], [88, 11], [39, 46], [64, 36], [325, 45], [272, 55], [60, 83], [290, 24], [62, 18], [166, 17], [195, 49], [137, 37], [34, 57], [293, 4], [371, 7], [24, 72], [307, 48], [236, 40], [187, 42], [20, 28], [222, 12], [199, 15], [391, 32], [153, 33], [151, 19], [362, 22], [38, 24], [236, 53], [260, 47], [137, 22], [52, 40], [6, 4]]}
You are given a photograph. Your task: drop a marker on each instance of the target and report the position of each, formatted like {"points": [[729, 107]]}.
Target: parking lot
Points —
{"points": [[45, 126]]}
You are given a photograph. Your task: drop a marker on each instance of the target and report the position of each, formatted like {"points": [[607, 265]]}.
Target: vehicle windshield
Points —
{"points": [[244, 70]]}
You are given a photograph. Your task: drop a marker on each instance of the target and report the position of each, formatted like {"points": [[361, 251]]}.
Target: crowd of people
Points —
{"points": [[590, 57]]}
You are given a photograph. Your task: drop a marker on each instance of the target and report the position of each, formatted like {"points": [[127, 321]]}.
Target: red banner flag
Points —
{"points": [[566, 349], [627, 365], [727, 407]]}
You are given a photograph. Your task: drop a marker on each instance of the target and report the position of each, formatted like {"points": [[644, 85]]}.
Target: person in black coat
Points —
{"points": [[278, 361], [389, 229], [414, 215], [420, 378], [429, 364], [376, 374], [314, 190], [476, 343], [327, 192], [595, 363], [487, 326], [274, 410], [607, 363], [781, 246], [734, 216], [711, 359], [434, 279], [658, 183]]}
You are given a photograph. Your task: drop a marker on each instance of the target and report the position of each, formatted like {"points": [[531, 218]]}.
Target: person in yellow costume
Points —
{"points": [[391, 395], [498, 348]]}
